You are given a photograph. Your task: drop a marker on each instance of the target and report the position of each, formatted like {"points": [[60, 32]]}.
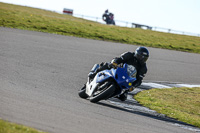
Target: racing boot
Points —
{"points": [[123, 96]]}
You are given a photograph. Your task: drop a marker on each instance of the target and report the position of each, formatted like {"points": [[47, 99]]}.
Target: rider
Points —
{"points": [[105, 16], [137, 59]]}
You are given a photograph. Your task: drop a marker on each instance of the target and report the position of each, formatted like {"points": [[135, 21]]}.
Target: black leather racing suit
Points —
{"points": [[128, 58], [105, 17]]}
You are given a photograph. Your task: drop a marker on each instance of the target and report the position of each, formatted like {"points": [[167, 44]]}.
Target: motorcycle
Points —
{"points": [[108, 83], [109, 18]]}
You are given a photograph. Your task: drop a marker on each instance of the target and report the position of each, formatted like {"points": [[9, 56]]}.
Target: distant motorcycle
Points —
{"points": [[108, 18], [108, 83]]}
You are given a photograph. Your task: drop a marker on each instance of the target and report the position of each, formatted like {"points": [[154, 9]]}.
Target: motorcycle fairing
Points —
{"points": [[100, 77], [91, 86], [120, 75]]}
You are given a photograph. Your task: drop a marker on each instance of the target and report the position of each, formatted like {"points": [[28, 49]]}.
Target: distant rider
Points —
{"points": [[137, 59], [105, 16], [108, 17]]}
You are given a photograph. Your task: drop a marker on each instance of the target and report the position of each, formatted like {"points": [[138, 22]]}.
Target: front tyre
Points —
{"points": [[104, 94], [82, 93]]}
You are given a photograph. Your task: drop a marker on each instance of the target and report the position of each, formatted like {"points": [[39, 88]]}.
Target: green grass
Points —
{"points": [[46, 21], [180, 103], [7, 127]]}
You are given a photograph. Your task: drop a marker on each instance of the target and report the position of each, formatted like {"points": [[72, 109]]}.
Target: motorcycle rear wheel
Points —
{"points": [[104, 94]]}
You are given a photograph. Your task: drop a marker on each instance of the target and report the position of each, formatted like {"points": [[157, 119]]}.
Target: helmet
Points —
{"points": [[142, 54]]}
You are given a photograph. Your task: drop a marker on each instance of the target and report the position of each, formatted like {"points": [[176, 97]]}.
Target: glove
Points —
{"points": [[113, 65]]}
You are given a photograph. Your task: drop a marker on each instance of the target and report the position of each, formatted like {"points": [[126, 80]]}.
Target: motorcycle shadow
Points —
{"points": [[117, 104]]}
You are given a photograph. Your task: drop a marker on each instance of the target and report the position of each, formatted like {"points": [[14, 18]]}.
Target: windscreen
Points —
{"points": [[131, 70]]}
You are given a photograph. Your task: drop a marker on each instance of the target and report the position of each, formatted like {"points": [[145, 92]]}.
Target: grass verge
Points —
{"points": [[7, 127], [27, 18], [180, 103]]}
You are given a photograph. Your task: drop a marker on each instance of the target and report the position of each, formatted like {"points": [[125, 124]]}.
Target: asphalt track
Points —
{"points": [[40, 75]]}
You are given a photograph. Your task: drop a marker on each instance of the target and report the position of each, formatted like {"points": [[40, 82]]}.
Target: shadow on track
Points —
{"points": [[157, 117]]}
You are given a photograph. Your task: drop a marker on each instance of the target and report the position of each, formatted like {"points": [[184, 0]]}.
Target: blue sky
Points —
{"points": [[181, 15]]}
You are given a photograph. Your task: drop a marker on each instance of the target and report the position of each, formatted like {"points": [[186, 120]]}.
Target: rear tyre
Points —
{"points": [[82, 93], [104, 94]]}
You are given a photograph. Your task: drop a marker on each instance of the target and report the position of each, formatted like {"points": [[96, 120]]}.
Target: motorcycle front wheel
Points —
{"points": [[103, 94], [82, 93]]}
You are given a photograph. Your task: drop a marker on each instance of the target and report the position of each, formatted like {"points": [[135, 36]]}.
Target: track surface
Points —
{"points": [[41, 73]]}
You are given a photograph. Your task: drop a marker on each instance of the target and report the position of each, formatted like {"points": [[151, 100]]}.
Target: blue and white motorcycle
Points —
{"points": [[108, 83]]}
